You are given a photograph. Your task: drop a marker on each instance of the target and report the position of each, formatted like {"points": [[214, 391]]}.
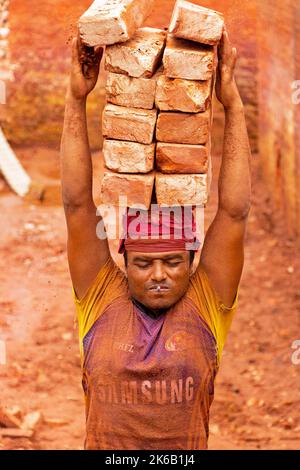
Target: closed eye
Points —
{"points": [[174, 263], [143, 266]]}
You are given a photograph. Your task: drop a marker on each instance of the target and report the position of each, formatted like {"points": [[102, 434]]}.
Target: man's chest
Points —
{"points": [[132, 358]]}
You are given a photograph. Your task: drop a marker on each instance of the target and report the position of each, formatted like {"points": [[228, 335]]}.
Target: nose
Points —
{"points": [[158, 273]]}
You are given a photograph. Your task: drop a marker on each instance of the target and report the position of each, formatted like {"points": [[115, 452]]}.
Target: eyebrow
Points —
{"points": [[169, 257]]}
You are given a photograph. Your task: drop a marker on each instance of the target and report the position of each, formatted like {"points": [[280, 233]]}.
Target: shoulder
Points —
{"points": [[109, 276], [209, 306], [109, 285]]}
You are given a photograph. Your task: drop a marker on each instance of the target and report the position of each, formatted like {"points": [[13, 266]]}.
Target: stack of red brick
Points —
{"points": [[129, 119], [157, 123]]}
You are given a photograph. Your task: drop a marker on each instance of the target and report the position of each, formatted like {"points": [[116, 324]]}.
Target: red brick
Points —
{"points": [[133, 124], [177, 158], [180, 190], [183, 128], [130, 92], [136, 188], [139, 57], [176, 94], [189, 60], [106, 22], [128, 157], [193, 22]]}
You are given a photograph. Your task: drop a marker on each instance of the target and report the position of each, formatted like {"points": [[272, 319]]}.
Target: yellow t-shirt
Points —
{"points": [[149, 383]]}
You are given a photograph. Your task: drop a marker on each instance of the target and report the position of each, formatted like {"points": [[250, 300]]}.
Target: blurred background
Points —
{"points": [[257, 399]]}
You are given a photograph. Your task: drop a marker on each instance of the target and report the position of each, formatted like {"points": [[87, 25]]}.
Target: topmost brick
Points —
{"points": [[199, 24], [111, 21]]}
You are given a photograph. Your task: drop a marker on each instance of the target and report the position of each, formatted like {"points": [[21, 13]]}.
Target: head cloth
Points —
{"points": [[160, 229]]}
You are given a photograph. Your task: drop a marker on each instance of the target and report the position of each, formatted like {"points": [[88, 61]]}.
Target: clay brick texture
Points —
{"points": [[136, 188], [190, 21], [157, 122], [138, 57], [107, 21]]}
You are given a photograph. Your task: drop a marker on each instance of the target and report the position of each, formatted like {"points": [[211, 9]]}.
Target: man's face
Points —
{"points": [[158, 280]]}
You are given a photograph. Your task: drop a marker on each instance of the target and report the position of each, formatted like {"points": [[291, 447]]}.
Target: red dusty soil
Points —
{"points": [[257, 400]]}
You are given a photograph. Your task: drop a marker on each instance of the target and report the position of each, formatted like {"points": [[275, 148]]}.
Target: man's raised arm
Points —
{"points": [[86, 253], [222, 255]]}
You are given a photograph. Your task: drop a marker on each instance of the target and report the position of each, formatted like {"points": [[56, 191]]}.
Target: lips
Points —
{"points": [[159, 288]]}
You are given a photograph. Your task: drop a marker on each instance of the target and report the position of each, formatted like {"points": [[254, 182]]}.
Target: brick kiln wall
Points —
{"points": [[297, 112], [278, 58]]}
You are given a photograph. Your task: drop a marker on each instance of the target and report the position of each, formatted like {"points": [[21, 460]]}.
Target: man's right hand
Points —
{"points": [[84, 70], [86, 252]]}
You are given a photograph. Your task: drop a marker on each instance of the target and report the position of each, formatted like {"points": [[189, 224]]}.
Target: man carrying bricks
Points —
{"points": [[151, 339]]}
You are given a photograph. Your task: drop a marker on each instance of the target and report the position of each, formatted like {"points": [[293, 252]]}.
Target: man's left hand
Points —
{"points": [[226, 88]]}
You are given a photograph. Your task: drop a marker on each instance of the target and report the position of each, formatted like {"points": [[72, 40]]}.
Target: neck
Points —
{"points": [[154, 313]]}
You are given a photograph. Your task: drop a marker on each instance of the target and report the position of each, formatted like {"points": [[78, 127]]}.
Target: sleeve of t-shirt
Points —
{"points": [[109, 284], [217, 316]]}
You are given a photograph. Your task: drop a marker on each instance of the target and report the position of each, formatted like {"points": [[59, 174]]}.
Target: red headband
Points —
{"points": [[160, 229]]}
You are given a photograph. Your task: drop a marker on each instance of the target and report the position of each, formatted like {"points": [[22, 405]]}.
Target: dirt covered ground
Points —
{"points": [[257, 399]]}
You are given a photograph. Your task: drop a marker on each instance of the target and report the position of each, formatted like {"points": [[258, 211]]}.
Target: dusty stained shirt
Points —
{"points": [[149, 382]]}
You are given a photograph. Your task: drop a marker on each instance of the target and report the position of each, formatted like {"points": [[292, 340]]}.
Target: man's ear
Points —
{"points": [[192, 269], [125, 267], [125, 270]]}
